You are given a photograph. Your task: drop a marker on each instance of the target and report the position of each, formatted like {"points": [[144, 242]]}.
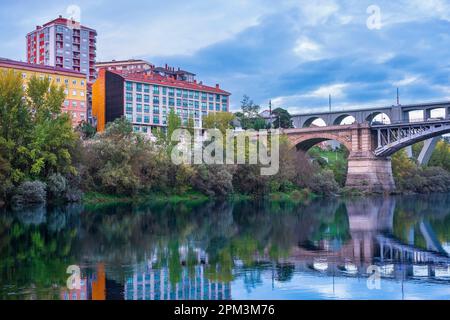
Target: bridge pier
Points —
{"points": [[370, 174]]}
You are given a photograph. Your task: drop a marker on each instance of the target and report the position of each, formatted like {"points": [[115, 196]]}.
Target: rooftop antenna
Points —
{"points": [[329, 102], [398, 98]]}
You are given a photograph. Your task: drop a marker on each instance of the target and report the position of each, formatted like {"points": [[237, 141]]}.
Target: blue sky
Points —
{"points": [[293, 52]]}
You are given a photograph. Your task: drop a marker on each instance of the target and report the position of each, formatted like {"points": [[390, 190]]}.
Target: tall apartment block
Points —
{"points": [[146, 98], [64, 43], [73, 82]]}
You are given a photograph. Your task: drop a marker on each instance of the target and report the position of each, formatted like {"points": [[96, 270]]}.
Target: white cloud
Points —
{"points": [[317, 12], [177, 32], [307, 49], [406, 81], [336, 90]]}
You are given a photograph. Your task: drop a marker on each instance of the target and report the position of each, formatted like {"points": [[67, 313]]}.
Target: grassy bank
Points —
{"points": [[93, 199], [99, 199]]}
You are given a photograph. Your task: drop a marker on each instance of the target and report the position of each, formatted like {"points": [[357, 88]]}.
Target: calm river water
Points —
{"points": [[371, 248]]}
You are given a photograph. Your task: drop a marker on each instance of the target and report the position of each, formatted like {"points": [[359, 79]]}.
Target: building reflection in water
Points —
{"points": [[155, 285]]}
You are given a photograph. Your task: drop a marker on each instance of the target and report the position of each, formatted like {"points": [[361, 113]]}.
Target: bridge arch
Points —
{"points": [[337, 121], [370, 118], [306, 142], [308, 122]]}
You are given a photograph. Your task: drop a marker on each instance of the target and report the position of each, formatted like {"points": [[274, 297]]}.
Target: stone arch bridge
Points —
{"points": [[369, 146]]}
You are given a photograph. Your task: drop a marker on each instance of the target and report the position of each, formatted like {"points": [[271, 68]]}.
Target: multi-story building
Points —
{"points": [[65, 43], [146, 99], [74, 83]]}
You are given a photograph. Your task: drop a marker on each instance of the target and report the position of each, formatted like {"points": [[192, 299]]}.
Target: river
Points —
{"points": [[362, 248]]}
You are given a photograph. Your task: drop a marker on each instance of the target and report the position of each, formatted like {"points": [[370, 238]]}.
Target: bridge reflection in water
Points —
{"points": [[372, 243]]}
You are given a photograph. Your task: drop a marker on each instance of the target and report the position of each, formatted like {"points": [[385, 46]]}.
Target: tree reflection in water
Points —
{"points": [[181, 247]]}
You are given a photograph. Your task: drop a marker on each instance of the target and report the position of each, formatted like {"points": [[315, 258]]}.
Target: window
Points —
{"points": [[155, 100], [146, 98], [164, 90], [139, 97], [224, 108], [138, 107], [196, 104], [66, 81], [129, 96], [74, 92], [66, 103], [82, 93], [191, 94], [146, 88], [146, 108], [24, 75], [171, 102], [82, 82], [146, 119], [156, 119], [211, 106], [204, 96], [74, 104], [129, 108], [74, 82], [155, 110], [129, 86], [129, 117], [203, 105], [58, 80], [171, 90], [138, 118], [155, 89], [179, 93], [185, 94], [164, 101], [178, 102], [139, 87]]}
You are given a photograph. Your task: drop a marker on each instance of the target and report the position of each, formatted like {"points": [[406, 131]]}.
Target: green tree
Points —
{"points": [[218, 120], [53, 137], [282, 118]]}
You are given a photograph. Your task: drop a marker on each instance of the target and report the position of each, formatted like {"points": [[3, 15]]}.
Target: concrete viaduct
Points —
{"points": [[370, 143]]}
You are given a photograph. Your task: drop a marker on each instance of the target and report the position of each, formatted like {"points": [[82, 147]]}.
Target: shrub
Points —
{"points": [[213, 180], [30, 192], [324, 183], [57, 186]]}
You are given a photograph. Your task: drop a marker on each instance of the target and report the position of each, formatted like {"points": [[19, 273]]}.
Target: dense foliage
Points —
{"points": [[36, 138]]}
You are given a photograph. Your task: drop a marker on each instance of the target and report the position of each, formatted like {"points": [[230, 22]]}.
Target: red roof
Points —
{"points": [[170, 82], [38, 67]]}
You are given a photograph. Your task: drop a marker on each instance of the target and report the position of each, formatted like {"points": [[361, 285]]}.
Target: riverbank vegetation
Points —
{"points": [[42, 159]]}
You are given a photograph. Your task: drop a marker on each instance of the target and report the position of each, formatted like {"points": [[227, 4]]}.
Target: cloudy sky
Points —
{"points": [[293, 52]]}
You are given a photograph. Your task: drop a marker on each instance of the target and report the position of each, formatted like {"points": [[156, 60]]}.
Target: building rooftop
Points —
{"points": [[171, 82], [38, 67], [129, 61], [65, 21]]}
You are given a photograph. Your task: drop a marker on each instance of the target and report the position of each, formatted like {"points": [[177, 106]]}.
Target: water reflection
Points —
{"points": [[243, 250]]}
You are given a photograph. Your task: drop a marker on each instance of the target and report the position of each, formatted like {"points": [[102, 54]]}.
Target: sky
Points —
{"points": [[294, 53]]}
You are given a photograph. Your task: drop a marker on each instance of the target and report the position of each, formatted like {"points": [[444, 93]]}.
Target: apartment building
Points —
{"points": [[73, 82], [145, 99]]}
